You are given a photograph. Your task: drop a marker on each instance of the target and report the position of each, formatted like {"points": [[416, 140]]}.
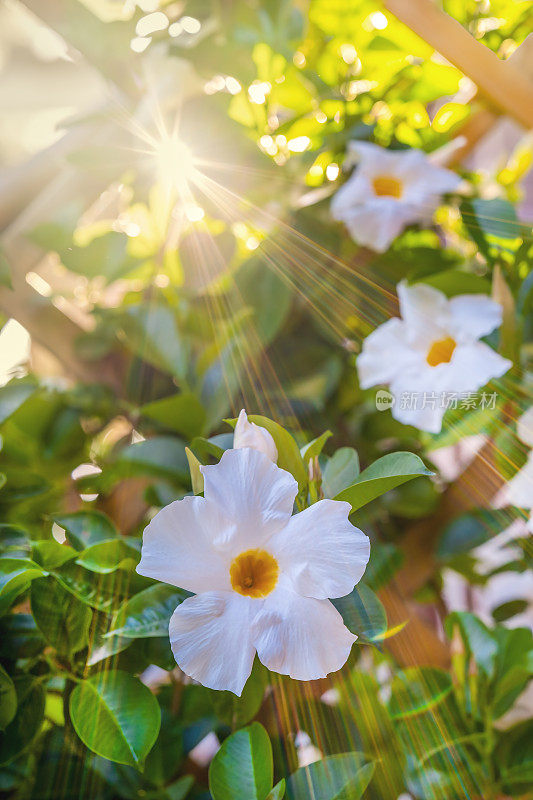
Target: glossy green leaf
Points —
{"points": [[363, 613], [478, 639], [278, 792], [152, 333], [417, 689], [314, 448], [16, 575], [197, 479], [337, 777], [27, 721], [63, 620], [103, 593], [243, 766], [13, 395], [161, 457], [8, 699], [106, 557], [384, 474], [341, 471], [116, 716], [148, 613], [85, 528], [183, 413], [50, 554], [238, 711], [20, 637]]}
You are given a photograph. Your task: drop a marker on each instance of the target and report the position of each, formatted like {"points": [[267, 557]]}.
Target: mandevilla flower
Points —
{"points": [[388, 191], [261, 577], [248, 434], [431, 352], [520, 488]]}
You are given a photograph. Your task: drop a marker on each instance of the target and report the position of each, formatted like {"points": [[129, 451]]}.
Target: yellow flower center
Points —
{"points": [[254, 573], [441, 351], [387, 186]]}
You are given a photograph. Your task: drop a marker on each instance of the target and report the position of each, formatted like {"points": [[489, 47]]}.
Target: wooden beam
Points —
{"points": [[501, 82]]}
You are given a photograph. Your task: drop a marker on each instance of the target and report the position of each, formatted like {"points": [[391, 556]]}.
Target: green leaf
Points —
{"points": [[348, 773], [237, 711], [85, 528], [13, 395], [16, 575], [148, 613], [384, 474], [243, 766], [8, 699], [495, 218], [183, 413], [178, 789], [160, 456], [101, 593], [314, 448], [417, 689], [151, 332], [63, 620], [27, 721], [341, 471], [20, 637], [50, 554], [278, 792], [116, 717], [452, 282], [463, 534], [197, 479], [289, 457], [478, 639], [104, 255], [363, 613], [106, 557]]}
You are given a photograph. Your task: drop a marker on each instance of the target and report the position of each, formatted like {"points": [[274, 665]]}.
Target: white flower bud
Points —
{"points": [[248, 434]]}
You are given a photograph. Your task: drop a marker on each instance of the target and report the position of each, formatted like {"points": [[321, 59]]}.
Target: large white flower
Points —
{"points": [[261, 577], [248, 434], [388, 191], [432, 353], [520, 488]]}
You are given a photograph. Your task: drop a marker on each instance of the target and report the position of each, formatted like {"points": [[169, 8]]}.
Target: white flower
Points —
{"points": [[260, 577], [520, 488], [388, 191], [248, 434], [432, 352]]}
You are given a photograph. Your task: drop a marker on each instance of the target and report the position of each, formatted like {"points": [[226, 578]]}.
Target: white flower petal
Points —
{"points": [[524, 427], [211, 641], [520, 488], [323, 554], [248, 434], [424, 310], [385, 354], [473, 365], [300, 636], [178, 546], [473, 316], [253, 492], [378, 222]]}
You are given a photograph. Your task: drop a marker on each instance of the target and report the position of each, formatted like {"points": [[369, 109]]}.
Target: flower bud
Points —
{"points": [[248, 434]]}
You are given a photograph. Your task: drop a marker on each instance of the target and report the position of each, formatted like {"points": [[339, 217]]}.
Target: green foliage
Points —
{"points": [[243, 766], [116, 717], [383, 475]]}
